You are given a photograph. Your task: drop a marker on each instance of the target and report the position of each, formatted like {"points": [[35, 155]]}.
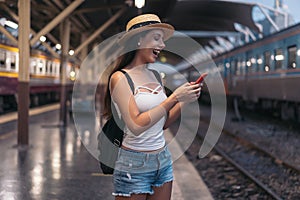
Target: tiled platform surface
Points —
{"points": [[57, 164]]}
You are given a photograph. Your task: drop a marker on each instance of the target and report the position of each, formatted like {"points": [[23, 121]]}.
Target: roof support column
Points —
{"points": [[65, 31], [100, 30], [56, 21], [23, 84], [84, 51]]}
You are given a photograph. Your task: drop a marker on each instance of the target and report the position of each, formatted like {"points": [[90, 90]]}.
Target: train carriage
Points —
{"points": [[264, 73], [44, 78]]}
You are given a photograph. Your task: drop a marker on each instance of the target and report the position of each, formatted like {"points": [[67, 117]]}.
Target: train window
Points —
{"points": [[41, 66], [2, 59], [251, 65], [234, 64], [50, 67], [259, 62], [292, 54], [238, 69], [243, 67], [32, 65], [56, 68], [13, 62], [227, 69], [47, 66], [279, 57], [267, 59]]}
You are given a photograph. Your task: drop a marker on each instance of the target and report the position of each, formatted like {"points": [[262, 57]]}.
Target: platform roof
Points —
{"points": [[185, 15]]}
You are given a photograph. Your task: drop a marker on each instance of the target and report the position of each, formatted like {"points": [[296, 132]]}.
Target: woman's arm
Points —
{"points": [[173, 114], [175, 111], [137, 121]]}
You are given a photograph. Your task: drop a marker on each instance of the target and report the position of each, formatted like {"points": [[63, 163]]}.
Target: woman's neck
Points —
{"points": [[137, 65]]}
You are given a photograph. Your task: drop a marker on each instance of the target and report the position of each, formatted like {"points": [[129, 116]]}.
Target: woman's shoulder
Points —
{"points": [[117, 75]]}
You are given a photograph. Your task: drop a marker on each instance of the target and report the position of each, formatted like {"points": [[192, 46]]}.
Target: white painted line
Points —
{"points": [[187, 184]]}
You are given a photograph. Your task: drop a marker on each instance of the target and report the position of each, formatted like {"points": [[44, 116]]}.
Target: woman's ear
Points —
{"points": [[139, 41]]}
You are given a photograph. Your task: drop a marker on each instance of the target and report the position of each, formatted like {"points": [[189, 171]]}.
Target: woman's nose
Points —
{"points": [[162, 44]]}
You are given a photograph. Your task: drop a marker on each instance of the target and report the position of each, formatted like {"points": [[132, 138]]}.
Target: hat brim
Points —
{"points": [[166, 28]]}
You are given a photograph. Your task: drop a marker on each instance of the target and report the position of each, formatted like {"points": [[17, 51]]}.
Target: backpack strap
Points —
{"points": [[129, 80], [157, 75]]}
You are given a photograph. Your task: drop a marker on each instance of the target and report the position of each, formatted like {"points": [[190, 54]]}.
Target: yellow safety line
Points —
{"points": [[35, 111]]}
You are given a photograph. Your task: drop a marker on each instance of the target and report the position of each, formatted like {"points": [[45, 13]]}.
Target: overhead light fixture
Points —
{"points": [[43, 38], [71, 52], [139, 3], [11, 24], [58, 46]]}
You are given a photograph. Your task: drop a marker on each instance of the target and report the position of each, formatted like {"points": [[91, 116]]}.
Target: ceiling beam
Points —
{"points": [[77, 24], [9, 35], [56, 21], [100, 30], [82, 18], [50, 49], [10, 12], [96, 9], [16, 18]]}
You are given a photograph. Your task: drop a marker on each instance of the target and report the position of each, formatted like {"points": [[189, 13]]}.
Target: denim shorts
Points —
{"points": [[137, 172]]}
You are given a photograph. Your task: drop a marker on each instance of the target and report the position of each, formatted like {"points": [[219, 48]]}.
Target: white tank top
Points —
{"points": [[152, 138]]}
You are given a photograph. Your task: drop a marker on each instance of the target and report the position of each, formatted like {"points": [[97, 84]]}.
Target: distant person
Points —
{"points": [[143, 169]]}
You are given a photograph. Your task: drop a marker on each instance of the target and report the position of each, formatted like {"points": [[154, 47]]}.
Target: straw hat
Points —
{"points": [[143, 23]]}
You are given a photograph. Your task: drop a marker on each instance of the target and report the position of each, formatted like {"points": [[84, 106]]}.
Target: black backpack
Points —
{"points": [[111, 136]]}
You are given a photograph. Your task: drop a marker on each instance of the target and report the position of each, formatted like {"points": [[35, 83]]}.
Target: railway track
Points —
{"points": [[242, 167], [268, 176]]}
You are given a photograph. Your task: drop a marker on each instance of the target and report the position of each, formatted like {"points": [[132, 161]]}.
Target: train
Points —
{"points": [[44, 80], [262, 74]]}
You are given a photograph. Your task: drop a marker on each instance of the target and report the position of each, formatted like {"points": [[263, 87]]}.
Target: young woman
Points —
{"points": [[144, 166]]}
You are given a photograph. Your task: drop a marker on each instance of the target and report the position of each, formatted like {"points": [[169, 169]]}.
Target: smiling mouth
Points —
{"points": [[156, 52]]}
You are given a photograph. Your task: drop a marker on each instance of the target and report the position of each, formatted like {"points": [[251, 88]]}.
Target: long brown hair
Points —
{"points": [[121, 62]]}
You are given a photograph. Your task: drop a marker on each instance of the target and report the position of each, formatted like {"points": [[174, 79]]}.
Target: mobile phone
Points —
{"points": [[201, 78]]}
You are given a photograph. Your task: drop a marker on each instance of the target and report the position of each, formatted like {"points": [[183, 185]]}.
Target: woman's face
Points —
{"points": [[151, 45]]}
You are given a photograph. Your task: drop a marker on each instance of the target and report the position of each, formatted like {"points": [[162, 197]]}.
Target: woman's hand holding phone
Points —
{"points": [[200, 79], [187, 92]]}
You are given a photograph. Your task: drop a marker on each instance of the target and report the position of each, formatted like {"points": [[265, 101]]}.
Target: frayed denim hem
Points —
{"points": [[141, 192], [134, 192], [120, 194], [160, 185]]}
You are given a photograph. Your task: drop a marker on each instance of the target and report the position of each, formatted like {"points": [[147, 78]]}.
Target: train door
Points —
{"points": [[2, 60], [292, 57], [267, 61], [247, 89], [228, 74], [234, 71]]}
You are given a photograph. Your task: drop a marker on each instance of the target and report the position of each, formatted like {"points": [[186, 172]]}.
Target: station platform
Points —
{"points": [[57, 165]]}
